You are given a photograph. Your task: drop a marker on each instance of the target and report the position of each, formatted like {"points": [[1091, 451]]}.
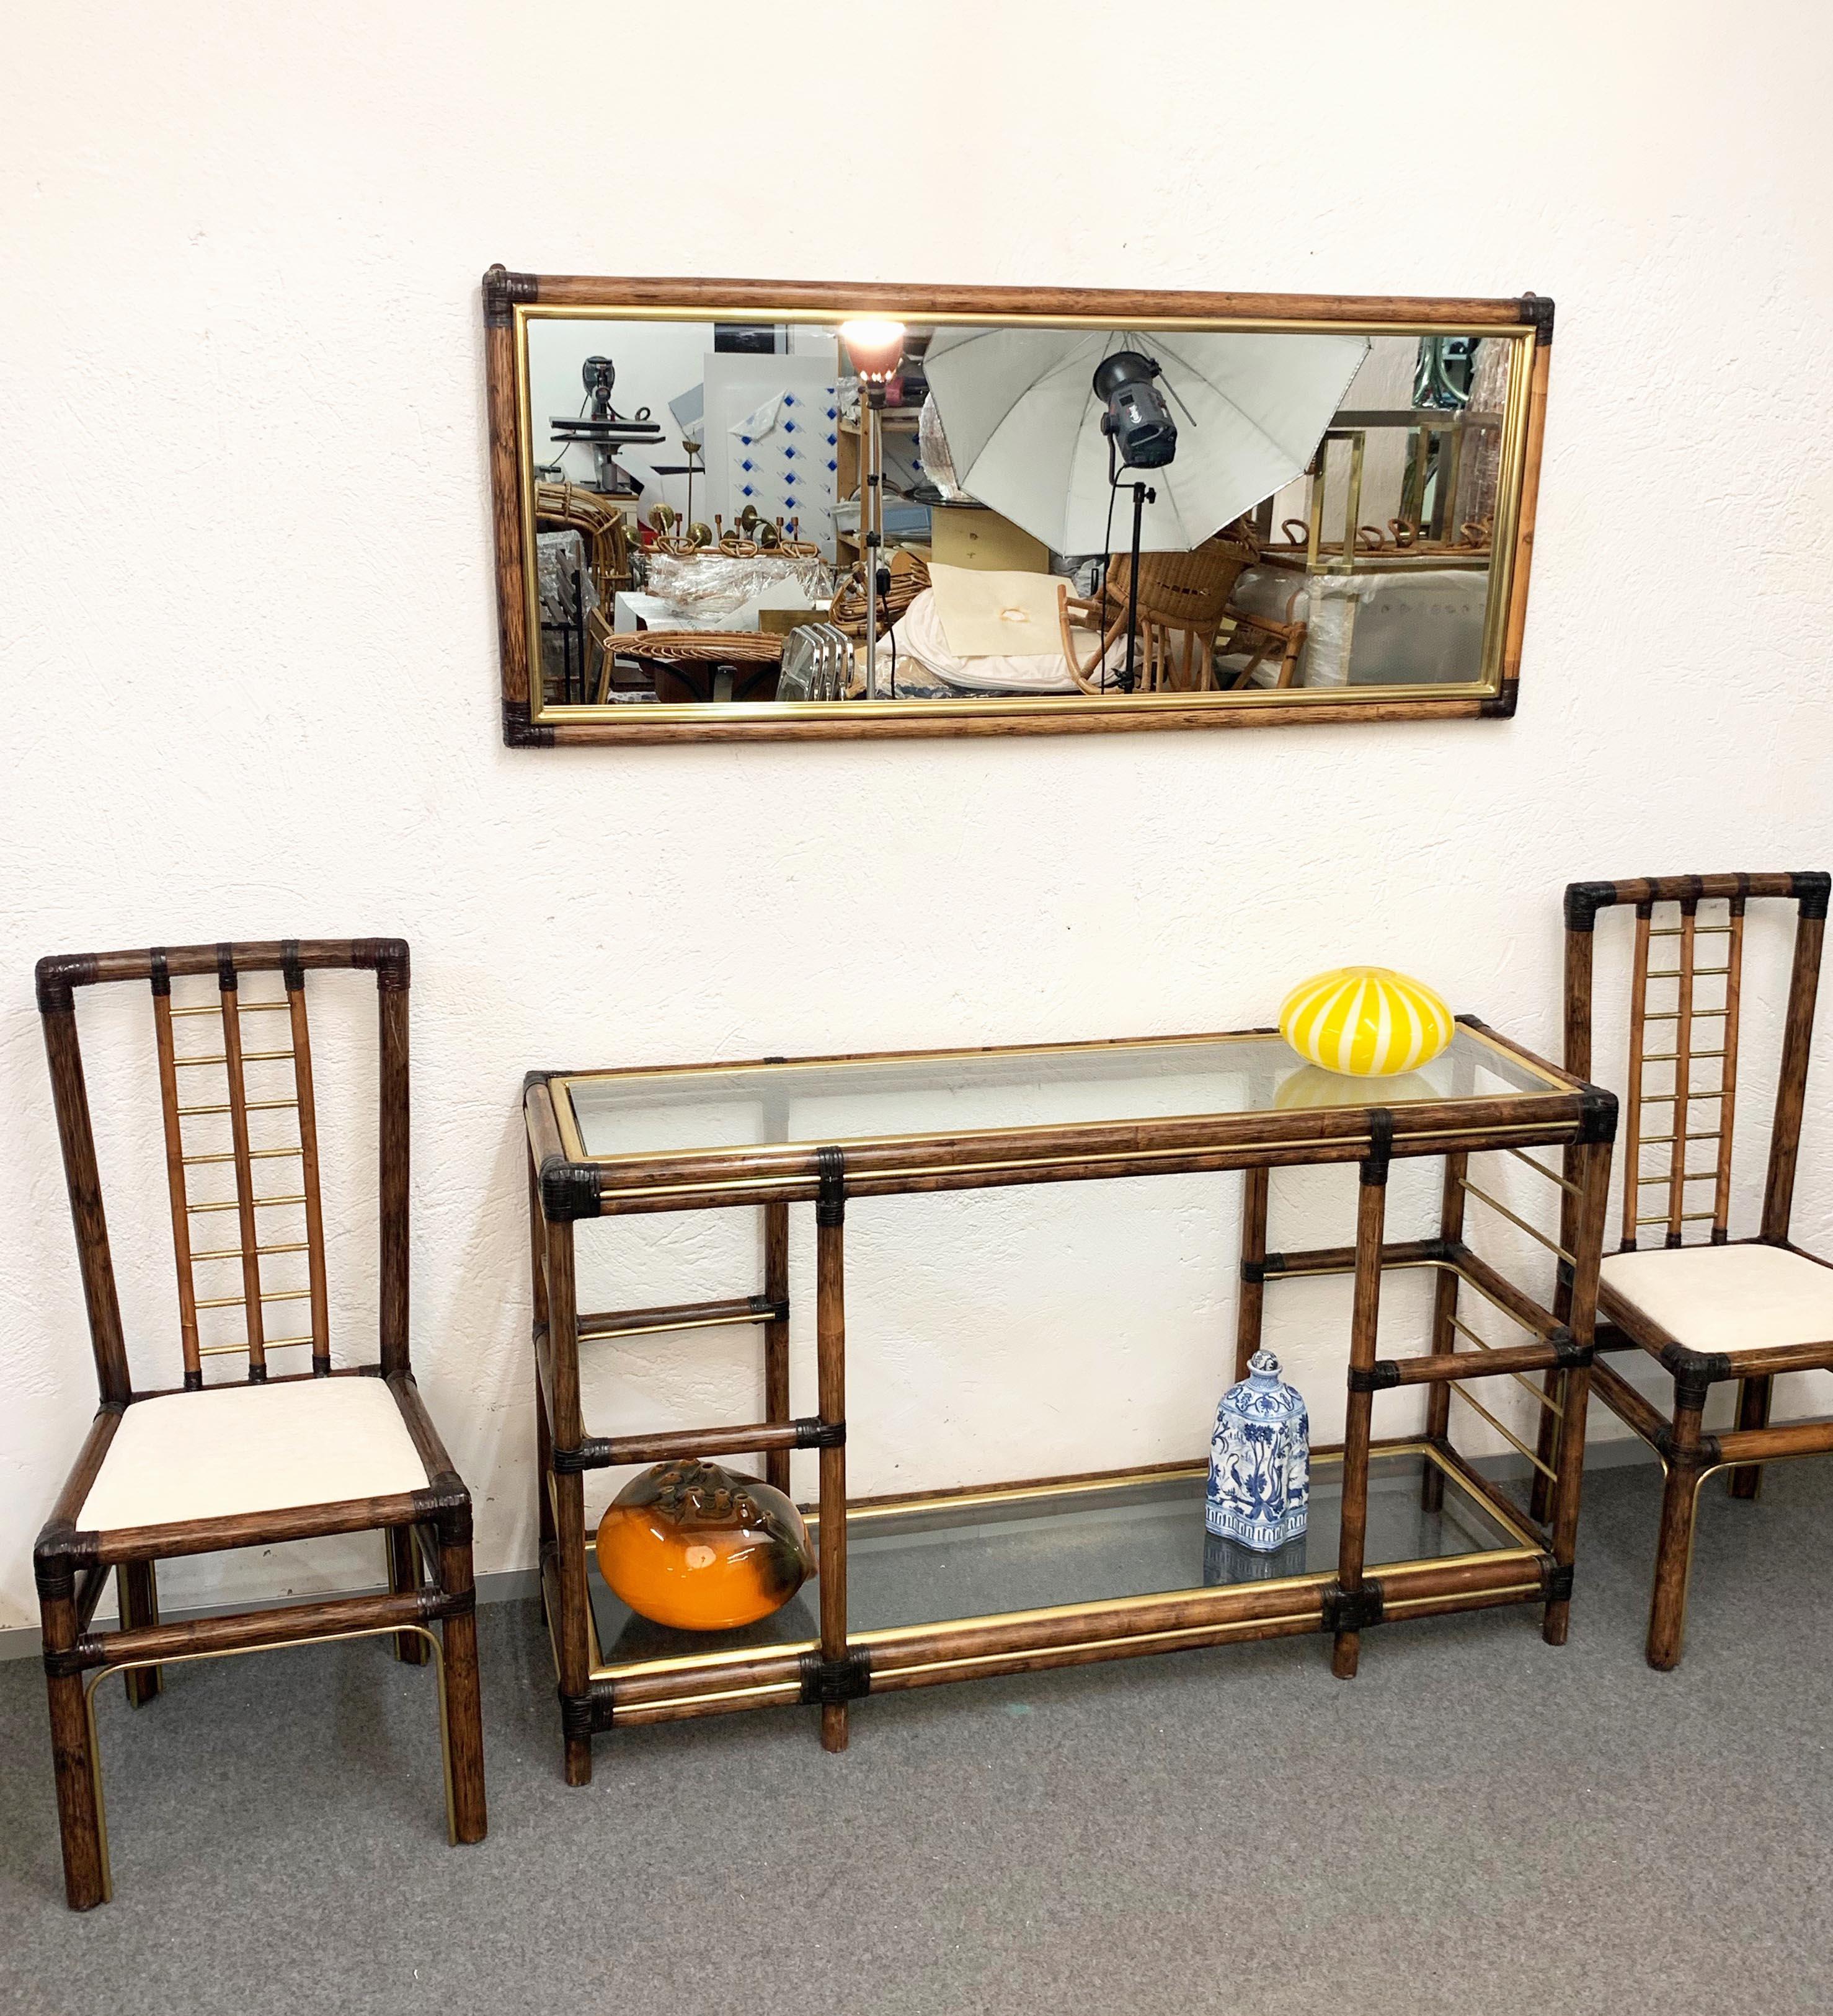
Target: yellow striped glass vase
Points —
{"points": [[1365, 1020]]}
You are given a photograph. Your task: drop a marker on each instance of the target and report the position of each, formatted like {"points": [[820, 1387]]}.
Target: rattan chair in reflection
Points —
{"points": [[1184, 607], [1722, 1310], [275, 1454]]}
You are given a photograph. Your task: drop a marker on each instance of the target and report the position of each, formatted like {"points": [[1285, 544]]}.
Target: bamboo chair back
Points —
{"points": [[204, 1049], [1685, 1010]]}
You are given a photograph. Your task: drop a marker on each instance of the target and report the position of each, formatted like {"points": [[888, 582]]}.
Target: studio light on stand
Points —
{"points": [[1141, 434], [875, 349]]}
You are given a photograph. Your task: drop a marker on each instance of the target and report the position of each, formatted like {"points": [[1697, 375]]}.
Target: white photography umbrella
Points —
{"points": [[1023, 424]]}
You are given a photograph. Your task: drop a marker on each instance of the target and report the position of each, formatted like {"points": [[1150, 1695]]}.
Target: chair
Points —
{"points": [[270, 1457], [1746, 1309], [1183, 606]]}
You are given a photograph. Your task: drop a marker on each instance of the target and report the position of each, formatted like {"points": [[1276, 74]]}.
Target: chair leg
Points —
{"points": [[409, 1646], [464, 1707], [137, 1587], [1745, 1479], [79, 1814]]}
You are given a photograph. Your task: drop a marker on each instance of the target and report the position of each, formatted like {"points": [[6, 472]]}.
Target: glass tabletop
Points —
{"points": [[614, 1114], [928, 1564]]}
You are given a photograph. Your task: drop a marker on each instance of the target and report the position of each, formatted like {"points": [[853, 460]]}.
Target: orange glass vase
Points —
{"points": [[703, 1548]]}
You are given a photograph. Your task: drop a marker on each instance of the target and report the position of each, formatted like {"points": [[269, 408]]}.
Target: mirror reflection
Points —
{"points": [[882, 512]]}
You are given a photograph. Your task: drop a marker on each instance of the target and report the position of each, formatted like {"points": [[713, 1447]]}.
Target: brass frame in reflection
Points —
{"points": [[513, 301]]}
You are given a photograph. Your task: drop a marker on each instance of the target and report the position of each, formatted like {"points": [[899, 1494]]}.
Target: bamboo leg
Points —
{"points": [[79, 1816], [1582, 1222], [1745, 1479], [1431, 1490], [830, 1346], [464, 1711], [137, 1589], [572, 1626], [404, 1577], [1251, 1307], [1371, 1217], [1673, 1551], [776, 1336]]}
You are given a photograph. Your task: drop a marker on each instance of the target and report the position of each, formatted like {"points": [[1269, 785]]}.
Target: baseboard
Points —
{"points": [[516, 1585]]}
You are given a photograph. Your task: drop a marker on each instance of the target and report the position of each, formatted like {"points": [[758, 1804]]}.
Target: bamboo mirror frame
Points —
{"points": [[516, 303]]}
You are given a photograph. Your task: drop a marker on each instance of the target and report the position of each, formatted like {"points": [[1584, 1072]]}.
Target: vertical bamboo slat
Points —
{"points": [[1250, 1309], [175, 1183], [776, 1336], [1798, 1031], [1593, 1177], [1633, 1089], [830, 1360], [391, 999], [308, 1156], [245, 1216], [1444, 1331], [1721, 1209], [1371, 1217], [1682, 1077]]}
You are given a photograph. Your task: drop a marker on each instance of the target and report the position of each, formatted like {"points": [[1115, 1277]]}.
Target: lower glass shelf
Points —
{"points": [[979, 1553]]}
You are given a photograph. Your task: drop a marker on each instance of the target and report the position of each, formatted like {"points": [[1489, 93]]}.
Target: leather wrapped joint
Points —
{"points": [[1352, 1609], [818, 1434], [830, 1682], [1558, 1582], [1375, 1378], [1375, 1164], [569, 1191], [831, 1195]]}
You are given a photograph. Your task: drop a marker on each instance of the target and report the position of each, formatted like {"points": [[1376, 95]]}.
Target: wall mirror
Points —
{"points": [[752, 510]]}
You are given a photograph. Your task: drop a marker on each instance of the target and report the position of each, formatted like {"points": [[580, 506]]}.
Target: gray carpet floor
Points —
{"points": [[1476, 1823]]}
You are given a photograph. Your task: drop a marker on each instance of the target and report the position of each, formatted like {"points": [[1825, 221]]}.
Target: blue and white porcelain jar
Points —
{"points": [[1260, 1461]]}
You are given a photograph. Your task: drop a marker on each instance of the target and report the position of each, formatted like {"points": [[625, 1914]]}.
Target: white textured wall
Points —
{"points": [[250, 642]]}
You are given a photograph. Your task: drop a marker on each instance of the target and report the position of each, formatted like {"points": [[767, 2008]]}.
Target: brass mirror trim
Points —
{"points": [[511, 299]]}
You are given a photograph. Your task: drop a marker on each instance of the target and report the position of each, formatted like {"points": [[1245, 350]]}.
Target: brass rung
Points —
{"points": [[1533, 1231], [268, 1344], [1687, 1218], [1668, 1098], [236, 1253], [1673, 1057], [1687, 1176], [1656, 1140], [242, 1008], [248, 1105], [1699, 972], [235, 1301], [1552, 1175], [235, 1204], [248, 1057], [1673, 1015], [1546, 1470], [254, 1155], [1483, 1343], [1699, 932]]}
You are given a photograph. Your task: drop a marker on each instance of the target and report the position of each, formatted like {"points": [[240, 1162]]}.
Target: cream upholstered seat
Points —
{"points": [[240, 1449], [1727, 1297]]}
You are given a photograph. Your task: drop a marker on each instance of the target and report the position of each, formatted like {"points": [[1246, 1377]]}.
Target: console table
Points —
{"points": [[1010, 1577]]}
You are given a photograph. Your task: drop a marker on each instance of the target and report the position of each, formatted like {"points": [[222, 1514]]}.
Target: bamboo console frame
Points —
{"points": [[839, 1666]]}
